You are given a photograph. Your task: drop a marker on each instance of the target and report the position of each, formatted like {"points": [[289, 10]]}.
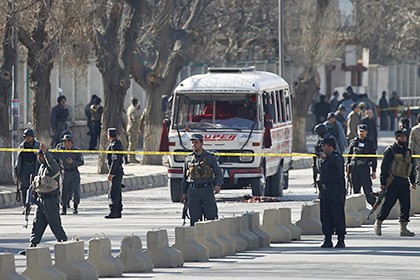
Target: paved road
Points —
{"points": [[386, 257]]}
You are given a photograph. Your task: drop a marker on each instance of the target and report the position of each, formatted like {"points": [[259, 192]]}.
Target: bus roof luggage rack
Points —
{"points": [[230, 69]]}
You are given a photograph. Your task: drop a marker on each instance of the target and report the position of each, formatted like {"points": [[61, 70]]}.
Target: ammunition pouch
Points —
{"points": [[401, 165], [45, 184], [200, 170]]}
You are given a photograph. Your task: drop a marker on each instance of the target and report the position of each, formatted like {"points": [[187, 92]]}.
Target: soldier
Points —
{"points": [[48, 202], [358, 167], [59, 115], [69, 163], [133, 128], [397, 168], [115, 174], [96, 111], [332, 194], [414, 144], [202, 179], [26, 164]]}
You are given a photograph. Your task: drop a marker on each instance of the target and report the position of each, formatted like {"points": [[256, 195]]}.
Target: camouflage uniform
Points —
{"points": [[133, 127], [415, 148]]}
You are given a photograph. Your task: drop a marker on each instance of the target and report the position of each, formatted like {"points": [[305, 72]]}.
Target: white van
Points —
{"points": [[239, 111]]}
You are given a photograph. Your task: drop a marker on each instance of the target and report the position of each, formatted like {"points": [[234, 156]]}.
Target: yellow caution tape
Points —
{"points": [[186, 153]]}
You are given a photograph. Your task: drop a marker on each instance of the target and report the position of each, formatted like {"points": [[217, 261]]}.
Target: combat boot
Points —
{"points": [[404, 231], [327, 242], [378, 227], [64, 211], [340, 242], [75, 209]]}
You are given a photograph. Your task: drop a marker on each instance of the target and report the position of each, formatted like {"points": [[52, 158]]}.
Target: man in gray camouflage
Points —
{"points": [[414, 143]]}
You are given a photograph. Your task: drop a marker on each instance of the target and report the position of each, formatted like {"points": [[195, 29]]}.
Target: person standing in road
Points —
{"points": [[26, 164], [59, 116], [47, 195], [353, 121], [96, 111], [202, 179], [332, 194], [370, 121], [88, 113], [414, 145], [321, 109], [394, 106], [383, 112], [115, 174], [358, 167], [71, 176], [397, 167], [133, 128]]}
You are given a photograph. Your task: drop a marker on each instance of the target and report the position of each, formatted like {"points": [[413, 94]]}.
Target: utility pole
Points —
{"points": [[280, 37], [15, 99]]}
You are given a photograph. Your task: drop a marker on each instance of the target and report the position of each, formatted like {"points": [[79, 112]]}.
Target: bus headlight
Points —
{"points": [[246, 158]]}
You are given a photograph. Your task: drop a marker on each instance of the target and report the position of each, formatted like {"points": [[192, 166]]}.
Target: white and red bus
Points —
{"points": [[240, 111]]}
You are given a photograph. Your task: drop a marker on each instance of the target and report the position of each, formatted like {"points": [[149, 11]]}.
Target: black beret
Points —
{"points": [[112, 132], [329, 141], [196, 136]]}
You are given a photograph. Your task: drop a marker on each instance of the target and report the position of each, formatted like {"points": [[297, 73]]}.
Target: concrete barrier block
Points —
{"points": [[221, 236], [132, 256], [353, 216], [255, 227], [361, 207], [228, 226], [415, 200], [186, 242], [39, 265], [100, 255], [159, 251], [205, 236], [8, 268], [310, 222], [278, 233], [244, 232], [285, 219], [70, 259]]}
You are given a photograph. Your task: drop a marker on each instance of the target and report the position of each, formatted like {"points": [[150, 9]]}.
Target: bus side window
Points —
{"points": [[288, 108], [279, 108], [273, 102], [283, 106], [268, 107]]}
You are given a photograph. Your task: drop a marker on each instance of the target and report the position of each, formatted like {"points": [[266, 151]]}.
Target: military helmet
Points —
{"points": [[320, 129], [28, 132]]}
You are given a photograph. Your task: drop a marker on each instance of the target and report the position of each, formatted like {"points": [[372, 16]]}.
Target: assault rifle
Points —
{"points": [[29, 201], [185, 212], [18, 193], [381, 195]]}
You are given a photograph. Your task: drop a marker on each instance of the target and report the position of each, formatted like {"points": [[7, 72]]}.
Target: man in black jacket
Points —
{"points": [[59, 117]]}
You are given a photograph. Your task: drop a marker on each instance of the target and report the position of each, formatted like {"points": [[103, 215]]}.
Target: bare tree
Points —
{"points": [[116, 27], [390, 29], [9, 54], [313, 38]]}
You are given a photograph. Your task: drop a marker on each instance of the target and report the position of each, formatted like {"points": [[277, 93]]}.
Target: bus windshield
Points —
{"points": [[216, 111]]}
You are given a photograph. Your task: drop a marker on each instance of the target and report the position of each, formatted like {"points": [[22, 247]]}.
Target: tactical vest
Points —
{"points": [[45, 184], [401, 165], [200, 170]]}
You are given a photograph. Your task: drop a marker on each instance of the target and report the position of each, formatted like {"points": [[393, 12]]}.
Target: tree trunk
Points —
{"points": [[152, 122], [305, 88], [39, 74]]}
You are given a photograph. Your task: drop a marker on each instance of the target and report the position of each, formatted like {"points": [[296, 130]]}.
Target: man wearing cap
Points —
{"points": [[358, 167], [341, 117], [115, 174], [332, 194], [370, 121], [59, 116], [336, 130], [202, 179], [47, 195], [26, 164], [69, 163], [397, 173]]}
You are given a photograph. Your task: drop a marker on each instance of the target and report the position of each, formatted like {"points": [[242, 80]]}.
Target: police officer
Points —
{"points": [[69, 163], [48, 202], [26, 164], [332, 194], [358, 167], [397, 169], [202, 179], [115, 174], [59, 116]]}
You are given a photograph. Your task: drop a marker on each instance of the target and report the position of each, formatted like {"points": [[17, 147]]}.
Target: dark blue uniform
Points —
{"points": [[26, 165], [360, 166], [115, 162], [332, 195], [201, 173]]}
